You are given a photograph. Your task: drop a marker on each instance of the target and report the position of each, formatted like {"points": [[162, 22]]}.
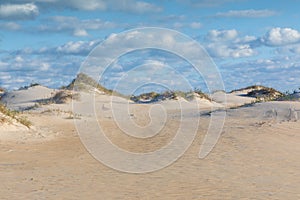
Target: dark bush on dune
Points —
{"points": [[154, 97], [266, 94], [29, 86], [64, 97], [83, 83], [261, 93], [169, 95]]}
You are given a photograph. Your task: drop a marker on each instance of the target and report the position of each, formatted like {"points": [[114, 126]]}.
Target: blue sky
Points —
{"points": [[251, 42]]}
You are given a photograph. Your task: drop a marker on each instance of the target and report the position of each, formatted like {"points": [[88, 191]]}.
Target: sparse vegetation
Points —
{"points": [[252, 87], [2, 90], [202, 94], [60, 97], [29, 86], [83, 82], [57, 111], [64, 96], [265, 94], [290, 96], [13, 115], [169, 95], [261, 93]]}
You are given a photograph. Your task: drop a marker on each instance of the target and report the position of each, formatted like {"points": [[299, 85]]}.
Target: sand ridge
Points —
{"points": [[257, 156]]}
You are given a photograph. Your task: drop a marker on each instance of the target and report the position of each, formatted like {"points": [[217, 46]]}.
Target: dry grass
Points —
{"points": [[61, 97], [261, 93], [170, 95], [13, 115], [58, 111], [83, 82]]}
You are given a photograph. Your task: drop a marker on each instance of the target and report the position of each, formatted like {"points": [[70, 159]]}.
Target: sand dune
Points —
{"points": [[256, 157], [233, 99], [26, 98]]}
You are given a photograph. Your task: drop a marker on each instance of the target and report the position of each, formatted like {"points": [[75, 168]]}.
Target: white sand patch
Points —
{"points": [[233, 99], [26, 98]]}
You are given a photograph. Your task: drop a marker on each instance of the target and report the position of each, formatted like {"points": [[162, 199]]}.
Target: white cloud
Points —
{"points": [[171, 18], [279, 72], [228, 43], [285, 50], [235, 51], [18, 11], [80, 32], [72, 48], [136, 6], [87, 5], [281, 36], [19, 59], [77, 48], [24, 67], [195, 25], [207, 3], [132, 6], [295, 49], [10, 26], [222, 35], [247, 13], [117, 5], [73, 25], [178, 25]]}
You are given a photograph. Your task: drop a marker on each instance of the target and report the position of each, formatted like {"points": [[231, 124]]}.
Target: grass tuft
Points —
{"points": [[14, 115]]}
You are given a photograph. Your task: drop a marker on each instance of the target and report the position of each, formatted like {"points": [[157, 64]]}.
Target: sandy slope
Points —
{"points": [[233, 99], [26, 98], [257, 156]]}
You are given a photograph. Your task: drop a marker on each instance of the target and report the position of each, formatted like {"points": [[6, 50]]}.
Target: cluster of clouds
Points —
{"points": [[281, 37], [73, 25], [18, 11], [250, 13], [24, 9], [14, 13], [20, 71], [229, 43], [268, 72], [282, 66], [65, 60], [207, 3], [52, 66], [57, 65]]}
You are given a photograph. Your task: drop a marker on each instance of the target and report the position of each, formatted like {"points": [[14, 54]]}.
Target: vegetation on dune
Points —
{"points": [[261, 93], [2, 92], [29, 86], [252, 87], [57, 111], [154, 96], [291, 96], [61, 97], [265, 94], [83, 83], [64, 97], [202, 94], [169, 95], [13, 115]]}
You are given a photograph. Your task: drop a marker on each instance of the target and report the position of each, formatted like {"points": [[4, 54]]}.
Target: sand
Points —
{"points": [[26, 98], [256, 157]]}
